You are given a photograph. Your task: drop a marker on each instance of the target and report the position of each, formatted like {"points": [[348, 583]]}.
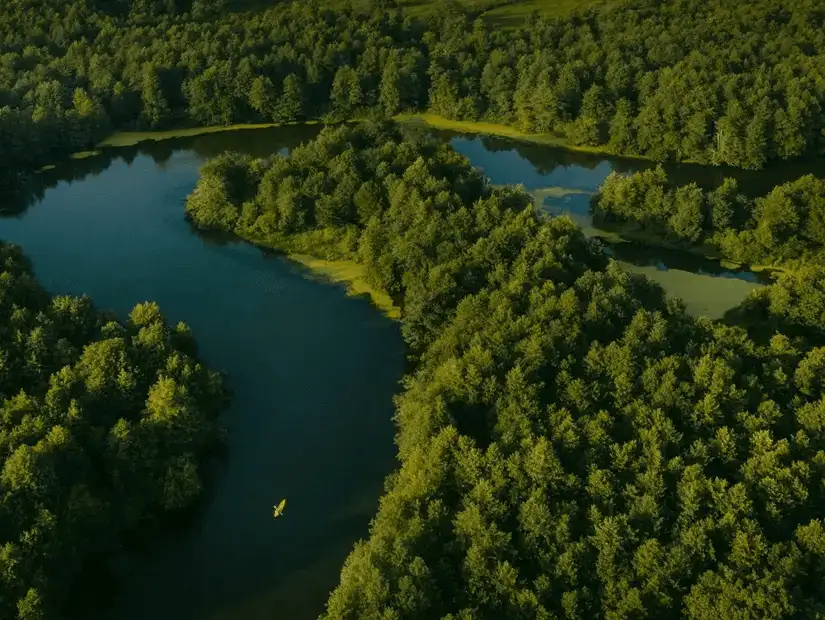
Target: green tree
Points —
{"points": [[155, 108], [291, 102], [263, 98]]}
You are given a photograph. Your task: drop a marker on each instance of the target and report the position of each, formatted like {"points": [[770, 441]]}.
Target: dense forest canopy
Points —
{"points": [[787, 224], [572, 444], [632, 80], [103, 426]]}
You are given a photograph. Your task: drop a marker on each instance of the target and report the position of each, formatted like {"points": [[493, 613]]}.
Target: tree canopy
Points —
{"points": [[572, 444], [787, 224], [630, 80], [103, 427]]}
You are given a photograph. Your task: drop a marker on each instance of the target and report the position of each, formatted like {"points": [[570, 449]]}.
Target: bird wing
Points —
{"points": [[281, 505]]}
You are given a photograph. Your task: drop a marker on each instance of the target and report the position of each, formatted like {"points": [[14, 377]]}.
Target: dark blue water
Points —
{"points": [[313, 373]]}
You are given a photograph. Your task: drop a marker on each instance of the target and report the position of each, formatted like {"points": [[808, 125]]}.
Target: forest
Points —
{"points": [[630, 80], [572, 444], [786, 225], [104, 428]]}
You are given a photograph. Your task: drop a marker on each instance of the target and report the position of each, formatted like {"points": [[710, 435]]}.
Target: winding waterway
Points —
{"points": [[313, 373], [313, 370]]}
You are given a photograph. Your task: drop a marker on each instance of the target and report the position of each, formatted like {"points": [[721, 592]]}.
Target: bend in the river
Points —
{"points": [[313, 371]]}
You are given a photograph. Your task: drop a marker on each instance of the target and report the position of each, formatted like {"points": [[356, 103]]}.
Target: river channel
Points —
{"points": [[313, 370]]}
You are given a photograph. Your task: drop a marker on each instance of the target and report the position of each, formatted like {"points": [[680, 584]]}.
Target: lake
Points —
{"points": [[313, 373], [563, 182], [313, 370]]}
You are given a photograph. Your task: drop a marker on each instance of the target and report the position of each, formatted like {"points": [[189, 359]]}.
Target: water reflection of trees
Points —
{"points": [[643, 255], [21, 190], [31, 188], [546, 159]]}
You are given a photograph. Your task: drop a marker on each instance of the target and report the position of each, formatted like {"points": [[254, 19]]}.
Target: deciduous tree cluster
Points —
{"points": [[786, 224]]}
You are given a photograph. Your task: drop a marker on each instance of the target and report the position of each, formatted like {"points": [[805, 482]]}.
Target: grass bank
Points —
{"points": [[85, 154], [434, 121], [321, 256], [618, 233], [505, 131], [350, 274], [131, 138]]}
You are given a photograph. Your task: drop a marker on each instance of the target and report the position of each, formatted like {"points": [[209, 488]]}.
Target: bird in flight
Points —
{"points": [[278, 510]]}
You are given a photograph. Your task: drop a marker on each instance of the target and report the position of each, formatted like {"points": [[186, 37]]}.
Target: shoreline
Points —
{"points": [[346, 272], [133, 138], [434, 121], [349, 272], [622, 235]]}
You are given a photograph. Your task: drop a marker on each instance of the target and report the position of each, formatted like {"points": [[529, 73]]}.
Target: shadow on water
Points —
{"points": [[32, 187], [547, 160]]}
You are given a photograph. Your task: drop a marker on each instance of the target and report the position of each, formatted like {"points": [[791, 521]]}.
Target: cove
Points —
{"points": [[563, 181], [313, 373]]}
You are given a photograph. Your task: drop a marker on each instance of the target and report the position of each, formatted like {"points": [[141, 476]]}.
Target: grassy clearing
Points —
{"points": [[351, 274]]}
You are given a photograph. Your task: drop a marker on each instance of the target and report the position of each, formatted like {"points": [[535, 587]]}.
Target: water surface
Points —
{"points": [[706, 287], [313, 373]]}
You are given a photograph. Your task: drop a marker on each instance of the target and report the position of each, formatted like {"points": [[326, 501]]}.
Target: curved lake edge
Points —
{"points": [[315, 265], [296, 258], [313, 373], [422, 120], [335, 272], [613, 234]]}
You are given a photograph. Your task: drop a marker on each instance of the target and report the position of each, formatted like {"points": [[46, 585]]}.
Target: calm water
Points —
{"points": [[313, 370], [706, 287]]}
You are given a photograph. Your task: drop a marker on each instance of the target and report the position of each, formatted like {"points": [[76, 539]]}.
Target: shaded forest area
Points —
{"points": [[104, 426], [572, 444], [787, 224], [631, 80]]}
